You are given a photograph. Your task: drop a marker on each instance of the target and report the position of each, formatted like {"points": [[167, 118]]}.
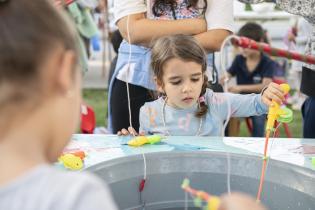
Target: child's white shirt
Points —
{"points": [[219, 14]]}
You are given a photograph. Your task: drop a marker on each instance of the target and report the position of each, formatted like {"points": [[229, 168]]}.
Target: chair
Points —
{"points": [[287, 131]]}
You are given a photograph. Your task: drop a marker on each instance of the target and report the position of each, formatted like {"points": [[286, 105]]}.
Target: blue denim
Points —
{"points": [[142, 76], [308, 113], [258, 125]]}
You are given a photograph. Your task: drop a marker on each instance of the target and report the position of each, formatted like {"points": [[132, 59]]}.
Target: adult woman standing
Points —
{"points": [[139, 21]]}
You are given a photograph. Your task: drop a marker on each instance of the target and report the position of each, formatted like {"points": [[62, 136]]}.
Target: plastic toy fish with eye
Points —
{"points": [[71, 161], [141, 140]]}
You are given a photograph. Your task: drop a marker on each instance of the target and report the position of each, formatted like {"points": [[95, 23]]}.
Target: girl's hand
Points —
{"points": [[239, 201], [130, 131], [272, 93]]}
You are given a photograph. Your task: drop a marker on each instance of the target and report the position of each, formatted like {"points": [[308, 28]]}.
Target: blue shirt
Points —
{"points": [[264, 69], [45, 187], [183, 121]]}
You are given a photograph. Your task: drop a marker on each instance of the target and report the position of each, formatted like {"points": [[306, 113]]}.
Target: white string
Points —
{"points": [[144, 179], [128, 93], [128, 68], [272, 141], [186, 200], [224, 69], [144, 167], [222, 59], [228, 176], [129, 108]]}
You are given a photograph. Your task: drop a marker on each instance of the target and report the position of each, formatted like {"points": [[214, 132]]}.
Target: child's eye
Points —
{"points": [[195, 79], [176, 82]]}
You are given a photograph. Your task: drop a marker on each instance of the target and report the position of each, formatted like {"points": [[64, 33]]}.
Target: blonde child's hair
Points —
{"points": [[182, 47], [239, 201], [30, 31]]}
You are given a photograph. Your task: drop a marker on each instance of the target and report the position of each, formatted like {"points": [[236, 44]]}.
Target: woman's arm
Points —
{"points": [[251, 88], [220, 24], [212, 39], [143, 30]]}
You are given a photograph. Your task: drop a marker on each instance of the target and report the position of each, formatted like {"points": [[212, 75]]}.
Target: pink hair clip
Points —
{"points": [[202, 99]]}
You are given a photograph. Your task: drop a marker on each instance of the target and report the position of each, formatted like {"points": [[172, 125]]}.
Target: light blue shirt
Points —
{"points": [[183, 121], [47, 188]]}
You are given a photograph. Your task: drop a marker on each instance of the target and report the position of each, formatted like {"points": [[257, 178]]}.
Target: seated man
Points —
{"points": [[253, 70]]}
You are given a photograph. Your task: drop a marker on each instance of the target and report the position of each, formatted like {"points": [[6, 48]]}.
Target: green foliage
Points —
{"points": [[248, 7], [97, 98], [295, 127]]}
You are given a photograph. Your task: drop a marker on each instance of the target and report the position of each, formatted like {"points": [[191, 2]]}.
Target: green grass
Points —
{"points": [[97, 98], [295, 127]]}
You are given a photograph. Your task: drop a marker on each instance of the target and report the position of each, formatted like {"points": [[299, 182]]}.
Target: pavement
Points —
{"points": [[97, 75]]}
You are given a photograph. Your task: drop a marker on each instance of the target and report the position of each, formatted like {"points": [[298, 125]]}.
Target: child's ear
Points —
{"points": [[65, 77], [159, 85]]}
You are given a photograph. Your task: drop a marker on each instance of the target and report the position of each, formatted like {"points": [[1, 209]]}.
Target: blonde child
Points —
{"points": [[39, 109], [187, 107]]}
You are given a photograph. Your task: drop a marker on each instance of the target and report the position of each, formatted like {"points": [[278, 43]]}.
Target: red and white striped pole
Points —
{"points": [[244, 42]]}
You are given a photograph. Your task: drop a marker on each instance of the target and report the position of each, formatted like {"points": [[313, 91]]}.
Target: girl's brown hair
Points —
{"points": [[182, 47], [161, 6], [30, 31]]}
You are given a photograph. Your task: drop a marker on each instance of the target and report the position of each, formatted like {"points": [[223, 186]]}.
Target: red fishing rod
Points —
{"points": [[244, 42], [64, 2]]}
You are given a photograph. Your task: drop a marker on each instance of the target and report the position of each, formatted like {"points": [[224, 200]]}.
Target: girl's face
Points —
{"points": [[182, 82]]}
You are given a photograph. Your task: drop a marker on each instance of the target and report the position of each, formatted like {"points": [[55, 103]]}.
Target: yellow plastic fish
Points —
{"points": [[141, 140], [213, 203], [71, 161]]}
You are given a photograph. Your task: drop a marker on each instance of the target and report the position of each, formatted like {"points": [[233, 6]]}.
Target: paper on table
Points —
{"points": [[290, 151]]}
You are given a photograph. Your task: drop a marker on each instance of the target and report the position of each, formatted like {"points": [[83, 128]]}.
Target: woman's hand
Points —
{"points": [[273, 92]]}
